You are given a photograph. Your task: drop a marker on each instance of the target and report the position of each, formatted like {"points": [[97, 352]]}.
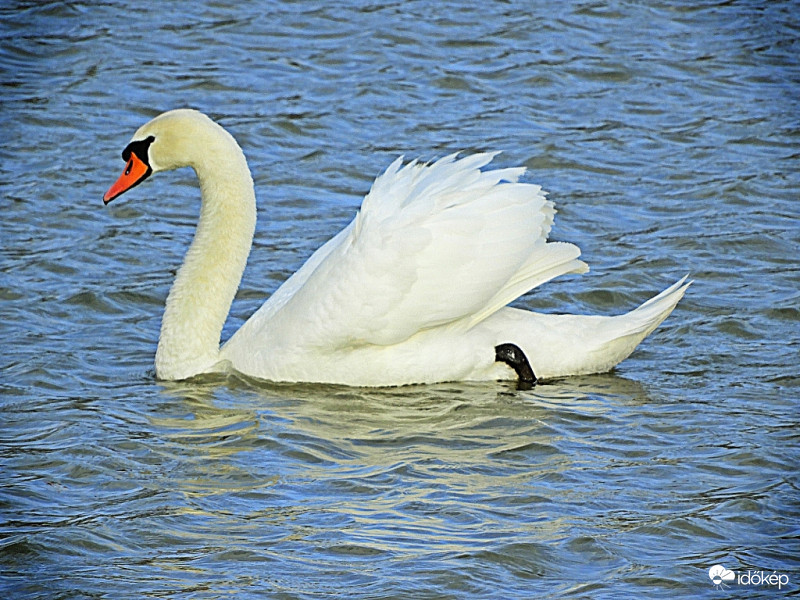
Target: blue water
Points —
{"points": [[667, 133]]}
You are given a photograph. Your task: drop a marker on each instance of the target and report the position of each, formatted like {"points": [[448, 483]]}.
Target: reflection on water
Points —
{"points": [[666, 134]]}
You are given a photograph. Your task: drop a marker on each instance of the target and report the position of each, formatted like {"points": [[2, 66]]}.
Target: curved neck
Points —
{"points": [[199, 300]]}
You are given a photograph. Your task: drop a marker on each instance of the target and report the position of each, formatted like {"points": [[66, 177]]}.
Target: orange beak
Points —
{"points": [[135, 172]]}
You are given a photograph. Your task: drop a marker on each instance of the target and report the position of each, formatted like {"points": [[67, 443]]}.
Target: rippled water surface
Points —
{"points": [[666, 132]]}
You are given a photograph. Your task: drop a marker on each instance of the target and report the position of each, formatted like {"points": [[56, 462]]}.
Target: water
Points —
{"points": [[666, 132]]}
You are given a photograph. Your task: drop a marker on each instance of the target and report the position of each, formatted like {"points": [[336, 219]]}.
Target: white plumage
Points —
{"points": [[414, 290]]}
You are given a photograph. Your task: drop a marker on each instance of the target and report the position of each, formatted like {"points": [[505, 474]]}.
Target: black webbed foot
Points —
{"points": [[514, 357]]}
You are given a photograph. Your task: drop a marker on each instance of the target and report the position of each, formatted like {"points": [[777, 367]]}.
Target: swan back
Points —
{"points": [[433, 247]]}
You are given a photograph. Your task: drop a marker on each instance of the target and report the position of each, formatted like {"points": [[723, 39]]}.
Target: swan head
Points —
{"points": [[178, 138]]}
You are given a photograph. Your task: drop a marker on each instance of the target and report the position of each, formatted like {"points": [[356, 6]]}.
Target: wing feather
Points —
{"points": [[432, 245]]}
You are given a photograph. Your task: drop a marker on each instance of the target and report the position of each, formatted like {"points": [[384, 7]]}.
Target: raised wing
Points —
{"points": [[432, 245]]}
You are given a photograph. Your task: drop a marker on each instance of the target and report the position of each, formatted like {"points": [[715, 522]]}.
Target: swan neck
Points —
{"points": [[205, 285]]}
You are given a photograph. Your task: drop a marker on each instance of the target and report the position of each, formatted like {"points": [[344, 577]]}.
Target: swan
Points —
{"points": [[414, 290]]}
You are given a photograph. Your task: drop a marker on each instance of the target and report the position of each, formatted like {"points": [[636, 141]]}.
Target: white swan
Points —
{"points": [[413, 290]]}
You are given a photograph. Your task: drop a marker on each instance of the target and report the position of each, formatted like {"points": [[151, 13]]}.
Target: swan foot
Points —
{"points": [[514, 357]]}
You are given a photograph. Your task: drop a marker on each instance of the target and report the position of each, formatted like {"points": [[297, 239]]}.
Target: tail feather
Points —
{"points": [[617, 337], [649, 315]]}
